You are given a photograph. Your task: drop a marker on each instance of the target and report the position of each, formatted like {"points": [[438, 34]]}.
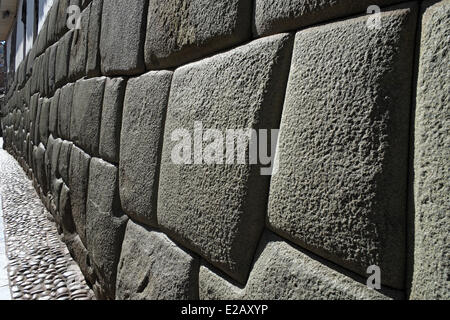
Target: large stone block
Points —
{"points": [[105, 223], [61, 18], [78, 50], [36, 134], [78, 185], [111, 123], [217, 208], [340, 190], [64, 160], [122, 37], [86, 114], [80, 254], [152, 267], [43, 121], [52, 23], [93, 51], [52, 68], [145, 106], [62, 59], [274, 16], [283, 272], [65, 110], [53, 115], [431, 159], [179, 31], [65, 212]]}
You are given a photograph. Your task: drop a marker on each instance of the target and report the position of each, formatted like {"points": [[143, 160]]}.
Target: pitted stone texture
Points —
{"points": [[112, 119], [64, 110], [140, 143], [43, 121], [64, 160], [122, 37], [61, 20], [274, 16], [218, 210], [86, 114], [283, 272], [152, 267], [105, 223], [65, 211], [340, 190], [93, 51], [35, 132], [52, 68], [78, 185], [53, 116], [431, 160], [179, 31], [81, 256], [78, 50], [62, 59]]}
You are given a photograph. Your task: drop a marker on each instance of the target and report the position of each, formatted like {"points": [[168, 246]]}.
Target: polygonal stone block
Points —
{"points": [[283, 272], [78, 50], [93, 52], [64, 160], [64, 110], [340, 190], [140, 143], [124, 54], [179, 31], [53, 116], [431, 159], [78, 185], [86, 114], [152, 267], [65, 211], [62, 59], [274, 16], [105, 223], [43, 121], [112, 119], [217, 208]]}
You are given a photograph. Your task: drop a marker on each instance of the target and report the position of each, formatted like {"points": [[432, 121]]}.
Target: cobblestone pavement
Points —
{"points": [[39, 264]]}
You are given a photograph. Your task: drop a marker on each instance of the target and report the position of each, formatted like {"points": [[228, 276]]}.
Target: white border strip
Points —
{"points": [[5, 293]]}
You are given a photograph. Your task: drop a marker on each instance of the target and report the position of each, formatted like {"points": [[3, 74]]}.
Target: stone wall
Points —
{"points": [[362, 153]]}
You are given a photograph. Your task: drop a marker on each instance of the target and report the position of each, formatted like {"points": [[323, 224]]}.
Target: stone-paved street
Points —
{"points": [[39, 264]]}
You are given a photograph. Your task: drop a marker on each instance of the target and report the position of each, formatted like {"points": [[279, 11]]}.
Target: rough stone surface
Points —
{"points": [[62, 59], [431, 159], [343, 151], [43, 121], [140, 143], [52, 68], [111, 123], [64, 110], [283, 272], [65, 211], [78, 49], [274, 16], [105, 223], [53, 116], [218, 210], [123, 55], [61, 20], [179, 31], [64, 160], [152, 267], [93, 51], [78, 185], [86, 114]]}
